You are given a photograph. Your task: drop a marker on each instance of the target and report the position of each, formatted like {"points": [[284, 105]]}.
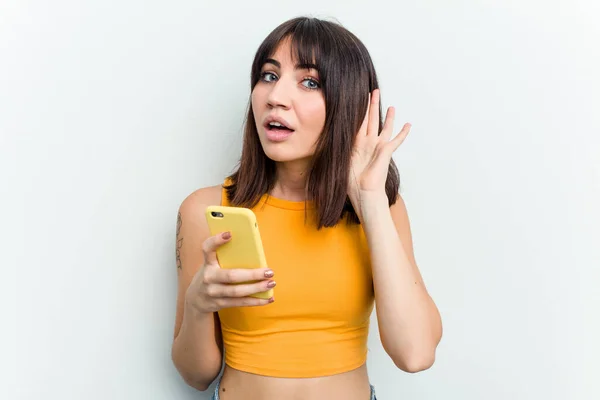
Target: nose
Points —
{"points": [[280, 94]]}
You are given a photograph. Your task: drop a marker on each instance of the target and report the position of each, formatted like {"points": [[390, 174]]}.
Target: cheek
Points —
{"points": [[313, 116], [258, 98], [253, 100]]}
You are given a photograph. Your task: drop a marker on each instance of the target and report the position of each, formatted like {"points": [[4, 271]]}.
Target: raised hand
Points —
{"points": [[373, 151]]}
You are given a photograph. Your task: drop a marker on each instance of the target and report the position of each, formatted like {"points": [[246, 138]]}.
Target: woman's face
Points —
{"points": [[289, 95]]}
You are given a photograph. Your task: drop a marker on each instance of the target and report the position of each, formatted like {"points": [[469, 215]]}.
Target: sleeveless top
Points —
{"points": [[319, 322]]}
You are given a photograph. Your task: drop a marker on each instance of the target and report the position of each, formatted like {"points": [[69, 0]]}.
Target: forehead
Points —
{"points": [[284, 52], [295, 51]]}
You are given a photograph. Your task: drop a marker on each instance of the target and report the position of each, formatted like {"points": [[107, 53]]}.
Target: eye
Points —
{"points": [[268, 76], [312, 83]]}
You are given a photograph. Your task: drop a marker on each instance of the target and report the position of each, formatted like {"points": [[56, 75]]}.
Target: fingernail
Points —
{"points": [[271, 284], [226, 235], [272, 299], [269, 273]]}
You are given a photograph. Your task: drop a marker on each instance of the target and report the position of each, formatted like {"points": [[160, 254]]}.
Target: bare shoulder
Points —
{"points": [[191, 221], [192, 228], [399, 211], [197, 201], [192, 231]]}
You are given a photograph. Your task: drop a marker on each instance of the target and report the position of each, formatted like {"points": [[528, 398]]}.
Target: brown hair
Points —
{"points": [[347, 76]]}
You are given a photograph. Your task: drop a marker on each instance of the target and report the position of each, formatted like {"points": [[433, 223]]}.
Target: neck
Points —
{"points": [[291, 180]]}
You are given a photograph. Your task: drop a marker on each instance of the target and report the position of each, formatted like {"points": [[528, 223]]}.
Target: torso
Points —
{"points": [[235, 384], [351, 385]]}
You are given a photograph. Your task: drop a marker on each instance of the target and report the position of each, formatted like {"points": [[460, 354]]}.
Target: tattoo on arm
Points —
{"points": [[179, 242]]}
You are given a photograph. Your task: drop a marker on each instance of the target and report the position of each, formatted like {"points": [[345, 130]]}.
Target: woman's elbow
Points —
{"points": [[196, 379], [198, 385], [197, 382], [416, 362]]}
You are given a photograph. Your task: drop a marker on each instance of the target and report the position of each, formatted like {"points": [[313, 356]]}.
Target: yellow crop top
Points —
{"points": [[319, 322]]}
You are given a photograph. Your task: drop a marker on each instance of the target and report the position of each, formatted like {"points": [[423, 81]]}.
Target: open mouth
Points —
{"points": [[277, 132], [278, 127]]}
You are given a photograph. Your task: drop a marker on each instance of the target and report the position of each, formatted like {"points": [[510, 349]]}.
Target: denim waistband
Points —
{"points": [[216, 393]]}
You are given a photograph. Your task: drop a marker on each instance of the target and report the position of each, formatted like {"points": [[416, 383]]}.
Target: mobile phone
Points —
{"points": [[245, 249]]}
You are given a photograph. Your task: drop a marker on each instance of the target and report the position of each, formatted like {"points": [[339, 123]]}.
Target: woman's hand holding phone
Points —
{"points": [[213, 288]]}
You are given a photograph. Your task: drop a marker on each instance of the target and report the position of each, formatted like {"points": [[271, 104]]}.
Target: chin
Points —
{"points": [[284, 152], [280, 155]]}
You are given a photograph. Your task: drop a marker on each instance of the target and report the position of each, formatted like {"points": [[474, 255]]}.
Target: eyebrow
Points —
{"points": [[297, 66]]}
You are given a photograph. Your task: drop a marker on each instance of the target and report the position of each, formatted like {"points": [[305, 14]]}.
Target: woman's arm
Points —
{"points": [[197, 347], [409, 322], [410, 326]]}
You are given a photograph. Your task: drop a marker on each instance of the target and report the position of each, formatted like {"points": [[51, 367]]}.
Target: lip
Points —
{"points": [[275, 118], [276, 135]]}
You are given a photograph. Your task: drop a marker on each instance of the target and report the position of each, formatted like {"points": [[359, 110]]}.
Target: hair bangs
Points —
{"points": [[308, 39]]}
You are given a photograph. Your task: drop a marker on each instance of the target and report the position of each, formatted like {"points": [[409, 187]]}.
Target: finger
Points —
{"points": [[239, 275], [397, 141], [210, 246], [240, 290], [243, 302], [388, 126], [373, 127], [363, 128]]}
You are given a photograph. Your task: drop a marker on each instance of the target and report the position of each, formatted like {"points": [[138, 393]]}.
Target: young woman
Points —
{"points": [[316, 169]]}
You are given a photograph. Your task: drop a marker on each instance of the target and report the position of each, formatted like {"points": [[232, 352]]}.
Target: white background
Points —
{"points": [[111, 112]]}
